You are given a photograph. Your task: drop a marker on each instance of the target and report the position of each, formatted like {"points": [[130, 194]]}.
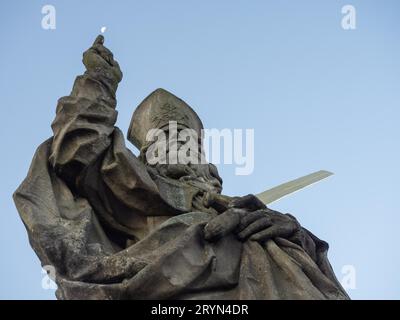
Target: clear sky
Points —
{"points": [[317, 96]]}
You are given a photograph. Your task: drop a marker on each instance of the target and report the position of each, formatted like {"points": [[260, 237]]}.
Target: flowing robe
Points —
{"points": [[112, 230]]}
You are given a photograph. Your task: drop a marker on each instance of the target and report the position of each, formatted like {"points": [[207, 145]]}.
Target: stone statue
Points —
{"points": [[116, 227]]}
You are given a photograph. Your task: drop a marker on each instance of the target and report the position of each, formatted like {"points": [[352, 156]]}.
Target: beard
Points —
{"points": [[202, 176], [197, 172]]}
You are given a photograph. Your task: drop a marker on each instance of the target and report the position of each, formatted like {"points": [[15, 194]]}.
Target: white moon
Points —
{"points": [[103, 29]]}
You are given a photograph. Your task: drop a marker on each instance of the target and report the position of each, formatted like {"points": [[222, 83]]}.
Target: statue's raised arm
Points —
{"points": [[88, 152], [85, 119]]}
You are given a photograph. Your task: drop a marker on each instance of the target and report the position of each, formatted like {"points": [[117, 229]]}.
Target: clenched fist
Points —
{"points": [[100, 59]]}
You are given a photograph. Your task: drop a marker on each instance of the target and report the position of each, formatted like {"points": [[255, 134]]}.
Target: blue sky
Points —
{"points": [[317, 96]]}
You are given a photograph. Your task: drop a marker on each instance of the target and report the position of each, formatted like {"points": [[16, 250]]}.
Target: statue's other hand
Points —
{"points": [[265, 224], [249, 202], [99, 58], [223, 224]]}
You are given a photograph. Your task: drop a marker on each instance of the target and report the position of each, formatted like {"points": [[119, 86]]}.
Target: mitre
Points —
{"points": [[156, 111]]}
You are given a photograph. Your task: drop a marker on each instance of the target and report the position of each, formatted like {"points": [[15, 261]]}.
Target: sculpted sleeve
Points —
{"points": [[85, 119]]}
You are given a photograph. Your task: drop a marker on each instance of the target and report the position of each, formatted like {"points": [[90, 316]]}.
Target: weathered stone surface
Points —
{"points": [[115, 227]]}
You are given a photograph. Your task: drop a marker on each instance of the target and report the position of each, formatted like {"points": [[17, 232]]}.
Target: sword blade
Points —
{"points": [[292, 186]]}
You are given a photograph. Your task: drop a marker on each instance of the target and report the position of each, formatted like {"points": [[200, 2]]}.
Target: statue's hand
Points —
{"points": [[265, 224], [223, 224], [250, 219], [249, 202], [99, 58], [233, 211]]}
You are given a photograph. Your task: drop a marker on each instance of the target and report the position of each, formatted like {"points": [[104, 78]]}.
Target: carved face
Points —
{"points": [[182, 160]]}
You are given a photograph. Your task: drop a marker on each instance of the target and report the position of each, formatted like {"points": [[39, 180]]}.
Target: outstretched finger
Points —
{"points": [[99, 40]]}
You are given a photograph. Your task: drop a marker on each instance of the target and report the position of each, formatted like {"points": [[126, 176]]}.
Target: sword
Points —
{"points": [[292, 186], [221, 202]]}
